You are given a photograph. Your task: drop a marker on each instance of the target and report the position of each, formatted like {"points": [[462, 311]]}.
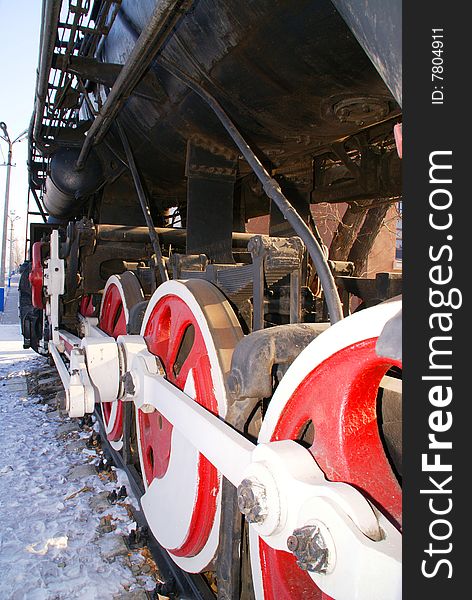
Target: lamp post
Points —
{"points": [[4, 135], [13, 218]]}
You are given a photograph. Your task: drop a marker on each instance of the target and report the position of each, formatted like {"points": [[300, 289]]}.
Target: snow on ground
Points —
{"points": [[54, 539]]}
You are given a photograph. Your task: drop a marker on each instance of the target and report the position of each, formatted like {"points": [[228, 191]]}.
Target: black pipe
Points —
{"points": [[50, 17], [165, 17], [273, 191], [144, 204], [170, 235]]}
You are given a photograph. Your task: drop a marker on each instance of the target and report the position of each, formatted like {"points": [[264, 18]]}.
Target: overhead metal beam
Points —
{"points": [[165, 17], [91, 69]]}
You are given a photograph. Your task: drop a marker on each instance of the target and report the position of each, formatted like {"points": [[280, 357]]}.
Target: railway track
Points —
{"points": [[176, 583]]}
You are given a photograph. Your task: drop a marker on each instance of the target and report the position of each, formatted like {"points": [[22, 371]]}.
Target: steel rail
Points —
{"points": [[191, 585]]}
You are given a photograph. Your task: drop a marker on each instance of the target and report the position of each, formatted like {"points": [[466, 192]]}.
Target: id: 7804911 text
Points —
{"points": [[437, 66]]}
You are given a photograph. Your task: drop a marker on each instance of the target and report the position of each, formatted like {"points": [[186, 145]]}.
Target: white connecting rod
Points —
{"points": [[225, 448]]}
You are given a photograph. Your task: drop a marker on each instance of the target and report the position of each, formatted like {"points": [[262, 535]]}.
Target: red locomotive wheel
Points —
{"points": [[192, 329], [86, 307], [328, 401], [121, 293]]}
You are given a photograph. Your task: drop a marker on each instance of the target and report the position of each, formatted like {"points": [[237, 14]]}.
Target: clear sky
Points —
{"points": [[19, 45]]}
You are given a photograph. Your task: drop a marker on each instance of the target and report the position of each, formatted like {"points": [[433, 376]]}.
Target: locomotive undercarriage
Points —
{"points": [[265, 418], [186, 452]]}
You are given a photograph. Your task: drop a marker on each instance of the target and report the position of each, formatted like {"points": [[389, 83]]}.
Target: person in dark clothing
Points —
{"points": [[30, 317]]}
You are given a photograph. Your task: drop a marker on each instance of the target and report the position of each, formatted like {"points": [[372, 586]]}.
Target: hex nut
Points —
{"points": [[128, 384], [252, 500], [310, 549]]}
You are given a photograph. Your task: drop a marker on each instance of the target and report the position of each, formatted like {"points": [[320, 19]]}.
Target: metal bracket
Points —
{"points": [[54, 277], [272, 258]]}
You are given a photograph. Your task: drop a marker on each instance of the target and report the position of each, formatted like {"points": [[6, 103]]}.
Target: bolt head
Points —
{"points": [[292, 543], [310, 549], [252, 500], [128, 384]]}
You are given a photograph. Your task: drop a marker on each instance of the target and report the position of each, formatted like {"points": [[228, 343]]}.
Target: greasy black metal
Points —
{"points": [[58, 98], [210, 191], [228, 567], [71, 254], [278, 225], [256, 354], [373, 291], [50, 15], [257, 291], [136, 316], [66, 188], [189, 585], [284, 96], [105, 260], [126, 453], [273, 259], [38, 204], [230, 570], [92, 70], [165, 17], [295, 297], [379, 33], [169, 235], [181, 263], [144, 204], [379, 178], [273, 191]]}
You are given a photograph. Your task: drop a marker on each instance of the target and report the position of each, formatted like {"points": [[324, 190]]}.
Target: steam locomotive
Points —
{"points": [[262, 412]]}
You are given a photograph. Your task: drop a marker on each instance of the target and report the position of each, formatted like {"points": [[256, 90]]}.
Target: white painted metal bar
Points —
{"points": [[54, 284], [391, 383], [67, 341], [61, 367], [96, 332], [224, 447]]}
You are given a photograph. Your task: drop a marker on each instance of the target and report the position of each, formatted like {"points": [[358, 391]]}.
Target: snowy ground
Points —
{"points": [[55, 541]]}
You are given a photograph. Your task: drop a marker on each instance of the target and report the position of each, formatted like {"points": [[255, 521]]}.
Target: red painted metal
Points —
{"points": [[68, 347], [86, 308], [113, 322], [36, 277], [113, 318], [164, 334], [340, 398]]}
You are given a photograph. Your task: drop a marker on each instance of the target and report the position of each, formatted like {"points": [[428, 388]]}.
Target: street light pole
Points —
{"points": [[4, 135], [13, 218]]}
